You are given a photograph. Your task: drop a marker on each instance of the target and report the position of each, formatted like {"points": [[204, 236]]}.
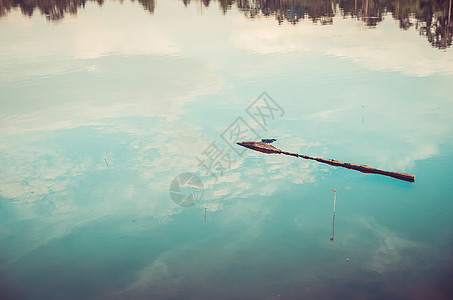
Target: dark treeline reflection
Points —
{"points": [[431, 18], [57, 9]]}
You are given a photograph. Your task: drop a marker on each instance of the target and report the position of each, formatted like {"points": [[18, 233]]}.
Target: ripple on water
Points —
{"points": [[125, 226]]}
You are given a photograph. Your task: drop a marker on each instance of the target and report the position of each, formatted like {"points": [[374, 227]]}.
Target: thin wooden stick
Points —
{"points": [[105, 159], [266, 148], [333, 221], [205, 209]]}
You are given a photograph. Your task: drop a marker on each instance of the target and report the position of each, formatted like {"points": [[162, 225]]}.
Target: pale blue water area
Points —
{"points": [[100, 110]]}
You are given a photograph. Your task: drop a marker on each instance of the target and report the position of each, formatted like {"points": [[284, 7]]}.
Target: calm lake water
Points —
{"points": [[104, 105]]}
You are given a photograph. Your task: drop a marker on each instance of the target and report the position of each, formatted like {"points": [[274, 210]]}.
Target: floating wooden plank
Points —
{"points": [[266, 148]]}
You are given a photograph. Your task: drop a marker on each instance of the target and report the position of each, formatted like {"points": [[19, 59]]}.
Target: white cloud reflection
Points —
{"points": [[93, 33], [160, 85], [382, 48], [388, 250]]}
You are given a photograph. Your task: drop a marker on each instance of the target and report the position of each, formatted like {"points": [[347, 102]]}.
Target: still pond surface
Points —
{"points": [[104, 104]]}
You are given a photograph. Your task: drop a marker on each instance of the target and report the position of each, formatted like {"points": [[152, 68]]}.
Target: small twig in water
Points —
{"points": [[105, 159], [205, 208], [333, 221]]}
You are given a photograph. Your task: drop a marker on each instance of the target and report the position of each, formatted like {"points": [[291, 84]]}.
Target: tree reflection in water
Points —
{"points": [[431, 18], [57, 9]]}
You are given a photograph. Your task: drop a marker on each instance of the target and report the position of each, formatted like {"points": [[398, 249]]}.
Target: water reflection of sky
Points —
{"points": [[155, 93]]}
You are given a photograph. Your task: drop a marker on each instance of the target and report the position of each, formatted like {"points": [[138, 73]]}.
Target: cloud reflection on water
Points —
{"points": [[381, 48], [154, 110]]}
